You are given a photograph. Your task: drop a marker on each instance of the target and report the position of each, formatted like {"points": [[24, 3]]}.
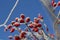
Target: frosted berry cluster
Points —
{"points": [[54, 4], [33, 29]]}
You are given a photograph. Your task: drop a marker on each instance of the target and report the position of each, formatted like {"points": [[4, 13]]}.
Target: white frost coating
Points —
{"points": [[4, 24]]}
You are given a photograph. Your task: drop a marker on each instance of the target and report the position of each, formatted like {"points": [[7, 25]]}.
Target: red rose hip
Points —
{"points": [[30, 25], [35, 29], [12, 30], [39, 25], [27, 19], [21, 20], [16, 37], [22, 35], [58, 3], [52, 3], [40, 17], [16, 24], [22, 16], [12, 22], [36, 20], [9, 26], [17, 19]]}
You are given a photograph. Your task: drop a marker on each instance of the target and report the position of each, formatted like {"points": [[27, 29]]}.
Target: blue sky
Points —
{"points": [[30, 8]]}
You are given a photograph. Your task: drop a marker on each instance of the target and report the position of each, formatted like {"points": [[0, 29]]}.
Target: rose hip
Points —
{"points": [[30, 25], [21, 20], [58, 3], [9, 26], [35, 29], [22, 16], [16, 24], [27, 19], [12, 22], [39, 25], [22, 35], [17, 19], [16, 37], [12, 30], [54, 5], [36, 20]]}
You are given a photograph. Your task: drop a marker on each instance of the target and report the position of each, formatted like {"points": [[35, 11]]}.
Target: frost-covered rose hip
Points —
{"points": [[12, 30], [36, 20], [30, 25], [35, 29], [22, 16], [16, 37], [17, 19], [16, 24], [27, 19], [22, 35], [40, 17], [58, 3], [21, 20], [9, 26], [12, 22], [54, 5], [39, 25]]}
